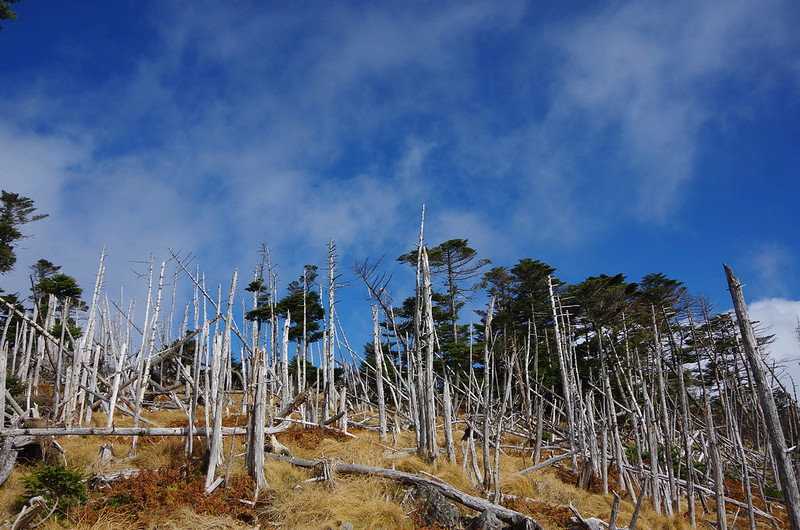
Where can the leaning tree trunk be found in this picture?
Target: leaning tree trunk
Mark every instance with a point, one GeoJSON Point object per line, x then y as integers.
{"type": "Point", "coordinates": [565, 377]}
{"type": "Point", "coordinates": [788, 480]}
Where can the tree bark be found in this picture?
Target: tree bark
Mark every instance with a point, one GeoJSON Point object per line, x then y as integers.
{"type": "Point", "coordinates": [788, 480]}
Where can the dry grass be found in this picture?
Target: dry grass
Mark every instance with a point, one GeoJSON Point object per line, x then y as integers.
{"type": "Point", "coordinates": [293, 500]}
{"type": "Point", "coordinates": [174, 520]}
{"type": "Point", "coordinates": [366, 502]}
{"type": "Point", "coordinates": [9, 493]}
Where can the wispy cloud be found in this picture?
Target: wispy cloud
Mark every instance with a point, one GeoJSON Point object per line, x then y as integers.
{"type": "Point", "coordinates": [289, 125]}
{"type": "Point", "coordinates": [644, 79]}
{"type": "Point", "coordinates": [772, 265]}
{"type": "Point", "coordinates": [779, 317]}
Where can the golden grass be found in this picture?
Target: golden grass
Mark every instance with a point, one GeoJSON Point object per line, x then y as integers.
{"type": "Point", "coordinates": [178, 520]}
{"type": "Point", "coordinates": [366, 502]}
{"type": "Point", "coordinates": [9, 493]}
{"type": "Point", "coordinates": [292, 501]}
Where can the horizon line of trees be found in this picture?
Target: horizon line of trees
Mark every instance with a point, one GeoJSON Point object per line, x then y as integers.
{"type": "Point", "coordinates": [599, 309]}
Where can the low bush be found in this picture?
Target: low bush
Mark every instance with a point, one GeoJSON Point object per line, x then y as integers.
{"type": "Point", "coordinates": [59, 486]}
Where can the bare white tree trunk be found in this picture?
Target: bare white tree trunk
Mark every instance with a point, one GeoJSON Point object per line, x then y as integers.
{"type": "Point", "coordinates": [255, 449]}
{"type": "Point", "coordinates": [219, 353]}
{"type": "Point", "coordinates": [120, 362]}
{"type": "Point", "coordinates": [788, 479]}
{"type": "Point", "coordinates": [3, 366]}
{"type": "Point", "coordinates": [88, 335]}
{"type": "Point", "coordinates": [330, 390]}
{"type": "Point", "coordinates": [376, 342]}
{"type": "Point", "coordinates": [566, 379]}
{"type": "Point", "coordinates": [146, 357]}
{"type": "Point", "coordinates": [286, 391]}
{"type": "Point", "coordinates": [430, 343]}
{"type": "Point", "coordinates": [487, 395]}
{"type": "Point", "coordinates": [447, 412]}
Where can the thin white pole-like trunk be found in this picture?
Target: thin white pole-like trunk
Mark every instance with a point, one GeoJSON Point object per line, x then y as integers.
{"type": "Point", "coordinates": [286, 391]}
{"type": "Point", "coordinates": [3, 365]}
{"type": "Point", "coordinates": [343, 409]}
{"type": "Point", "coordinates": [447, 412]}
{"type": "Point", "coordinates": [376, 344]}
{"type": "Point", "coordinates": [40, 341]}
{"type": "Point", "coordinates": [565, 376]}
{"type": "Point", "coordinates": [88, 336]}
{"type": "Point", "coordinates": [487, 395]}
{"type": "Point", "coordinates": [22, 371]}
{"type": "Point", "coordinates": [303, 352]}
{"type": "Point", "coordinates": [146, 357]}
{"type": "Point", "coordinates": [195, 391]}
{"type": "Point", "coordinates": [660, 366]}
{"type": "Point", "coordinates": [218, 356]}
{"type": "Point", "coordinates": [120, 362]}
{"type": "Point", "coordinates": [259, 413]}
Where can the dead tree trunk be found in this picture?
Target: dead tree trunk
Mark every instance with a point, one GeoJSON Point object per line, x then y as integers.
{"type": "Point", "coordinates": [215, 449]}
{"type": "Point", "coordinates": [426, 340]}
{"type": "Point", "coordinates": [487, 395]}
{"type": "Point", "coordinates": [376, 343]}
{"type": "Point", "coordinates": [788, 480]}
{"type": "Point", "coordinates": [330, 390]}
{"type": "Point", "coordinates": [565, 377]}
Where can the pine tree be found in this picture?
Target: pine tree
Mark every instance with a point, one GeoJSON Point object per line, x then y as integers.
{"type": "Point", "coordinates": [15, 211]}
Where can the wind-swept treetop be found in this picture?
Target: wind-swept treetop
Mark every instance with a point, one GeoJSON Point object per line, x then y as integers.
{"type": "Point", "coordinates": [5, 11]}
{"type": "Point", "coordinates": [661, 292]}
{"type": "Point", "coordinates": [15, 211]}
{"type": "Point", "coordinates": [521, 292]}
{"type": "Point", "coordinates": [456, 262]}
{"type": "Point", "coordinates": [302, 304]}
{"type": "Point", "coordinates": [602, 299]}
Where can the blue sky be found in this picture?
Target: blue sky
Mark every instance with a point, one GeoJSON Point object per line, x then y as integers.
{"type": "Point", "coordinates": [630, 137]}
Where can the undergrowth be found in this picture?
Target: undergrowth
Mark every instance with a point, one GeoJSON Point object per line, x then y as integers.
{"type": "Point", "coordinates": [170, 492]}
{"type": "Point", "coordinates": [59, 486]}
{"type": "Point", "coordinates": [153, 494]}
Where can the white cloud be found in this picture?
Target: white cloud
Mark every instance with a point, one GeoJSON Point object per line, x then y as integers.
{"type": "Point", "coordinates": [772, 264]}
{"type": "Point", "coordinates": [779, 316]}
{"type": "Point", "coordinates": [645, 78]}
{"type": "Point", "coordinates": [290, 126]}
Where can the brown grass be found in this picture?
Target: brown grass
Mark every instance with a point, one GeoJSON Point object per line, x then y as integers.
{"type": "Point", "coordinates": [170, 494]}
{"type": "Point", "coordinates": [366, 502]}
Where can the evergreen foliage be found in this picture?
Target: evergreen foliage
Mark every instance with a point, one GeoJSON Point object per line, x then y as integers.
{"type": "Point", "coordinates": [60, 486]}
{"type": "Point", "coordinates": [15, 211]}
{"type": "Point", "coordinates": [5, 11]}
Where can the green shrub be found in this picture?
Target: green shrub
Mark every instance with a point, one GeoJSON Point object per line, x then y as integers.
{"type": "Point", "coordinates": [773, 492]}
{"type": "Point", "coordinates": [60, 486]}
{"type": "Point", "coordinates": [15, 386]}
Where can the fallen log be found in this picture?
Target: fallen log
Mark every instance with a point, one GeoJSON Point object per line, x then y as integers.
{"type": "Point", "coordinates": [470, 501]}
{"type": "Point", "coordinates": [30, 512]}
{"type": "Point", "coordinates": [289, 407]}
{"type": "Point", "coordinates": [334, 430]}
{"type": "Point", "coordinates": [8, 457]}
{"type": "Point", "coordinates": [134, 431]}
{"type": "Point", "coordinates": [592, 523]}
{"type": "Point", "coordinates": [547, 462]}
{"type": "Point", "coordinates": [114, 476]}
